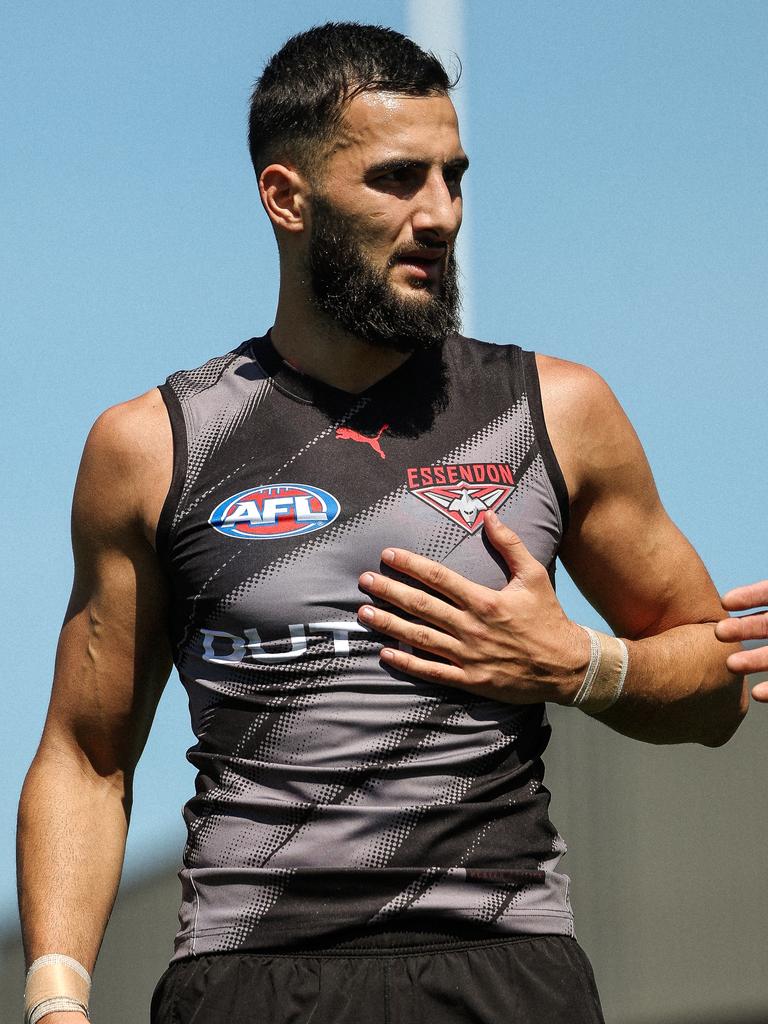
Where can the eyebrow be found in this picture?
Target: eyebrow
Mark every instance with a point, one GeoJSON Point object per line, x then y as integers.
{"type": "Point", "coordinates": [404, 163]}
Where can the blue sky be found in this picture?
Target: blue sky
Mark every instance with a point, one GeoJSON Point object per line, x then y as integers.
{"type": "Point", "coordinates": [617, 214]}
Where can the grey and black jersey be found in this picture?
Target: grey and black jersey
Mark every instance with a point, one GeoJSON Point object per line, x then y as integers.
{"type": "Point", "coordinates": [336, 798]}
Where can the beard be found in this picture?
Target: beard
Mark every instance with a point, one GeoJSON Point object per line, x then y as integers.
{"type": "Point", "coordinates": [359, 297]}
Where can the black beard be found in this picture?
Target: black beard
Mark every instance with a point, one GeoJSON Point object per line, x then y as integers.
{"type": "Point", "coordinates": [359, 297]}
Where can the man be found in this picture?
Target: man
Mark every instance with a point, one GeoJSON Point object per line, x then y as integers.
{"type": "Point", "coordinates": [369, 837]}
{"type": "Point", "coordinates": [747, 627]}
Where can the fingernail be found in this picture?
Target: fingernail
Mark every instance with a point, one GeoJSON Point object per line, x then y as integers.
{"type": "Point", "coordinates": [388, 555]}
{"type": "Point", "coordinates": [366, 612]}
{"type": "Point", "coordinates": [367, 579]}
{"type": "Point", "coordinates": [386, 654]}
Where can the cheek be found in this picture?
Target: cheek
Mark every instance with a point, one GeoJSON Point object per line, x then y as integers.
{"type": "Point", "coordinates": [374, 217]}
{"type": "Point", "coordinates": [378, 224]}
{"type": "Point", "coordinates": [379, 237]}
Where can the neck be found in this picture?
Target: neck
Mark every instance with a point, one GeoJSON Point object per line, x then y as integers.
{"type": "Point", "coordinates": [318, 347]}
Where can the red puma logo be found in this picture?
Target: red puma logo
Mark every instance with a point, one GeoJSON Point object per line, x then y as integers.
{"type": "Point", "coordinates": [347, 434]}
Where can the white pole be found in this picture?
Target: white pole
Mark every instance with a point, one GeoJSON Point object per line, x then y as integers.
{"type": "Point", "coordinates": [438, 25]}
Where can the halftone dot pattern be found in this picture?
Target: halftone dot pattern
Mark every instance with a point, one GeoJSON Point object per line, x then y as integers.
{"type": "Point", "coordinates": [434, 890]}
{"type": "Point", "coordinates": [200, 446]}
{"type": "Point", "coordinates": [268, 728]}
{"type": "Point", "coordinates": [325, 761]}
{"type": "Point", "coordinates": [203, 446]}
{"type": "Point", "coordinates": [409, 895]}
{"type": "Point", "coordinates": [379, 759]}
{"type": "Point", "coordinates": [497, 441]}
{"type": "Point", "coordinates": [505, 438]}
{"type": "Point", "coordinates": [243, 412]}
{"type": "Point", "coordinates": [494, 904]}
{"type": "Point", "coordinates": [229, 844]}
{"type": "Point", "coordinates": [338, 535]}
{"type": "Point", "coordinates": [260, 901]}
{"type": "Point", "coordinates": [450, 792]}
{"type": "Point", "coordinates": [188, 384]}
{"type": "Point", "coordinates": [204, 441]}
{"type": "Point", "coordinates": [383, 756]}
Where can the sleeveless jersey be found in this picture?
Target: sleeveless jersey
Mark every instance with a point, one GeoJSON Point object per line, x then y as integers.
{"type": "Point", "coordinates": [337, 799]}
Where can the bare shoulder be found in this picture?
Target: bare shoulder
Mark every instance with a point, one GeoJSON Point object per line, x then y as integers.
{"type": "Point", "coordinates": [134, 432]}
{"type": "Point", "coordinates": [572, 389]}
{"type": "Point", "coordinates": [590, 432]}
{"type": "Point", "coordinates": [126, 467]}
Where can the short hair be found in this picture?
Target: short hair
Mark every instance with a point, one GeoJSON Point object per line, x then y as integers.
{"type": "Point", "coordinates": [299, 100]}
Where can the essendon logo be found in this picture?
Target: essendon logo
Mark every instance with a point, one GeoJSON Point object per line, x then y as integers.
{"type": "Point", "coordinates": [462, 493]}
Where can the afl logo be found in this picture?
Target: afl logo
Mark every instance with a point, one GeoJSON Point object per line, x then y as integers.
{"type": "Point", "coordinates": [275, 510]}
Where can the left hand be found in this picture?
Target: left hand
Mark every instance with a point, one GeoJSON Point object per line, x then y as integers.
{"type": "Point", "coordinates": [514, 644]}
{"type": "Point", "coordinates": [747, 627]}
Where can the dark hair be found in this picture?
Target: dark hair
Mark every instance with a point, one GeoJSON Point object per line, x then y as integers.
{"type": "Point", "coordinates": [298, 102]}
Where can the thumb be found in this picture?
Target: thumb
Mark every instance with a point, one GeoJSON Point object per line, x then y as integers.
{"type": "Point", "coordinates": [517, 556]}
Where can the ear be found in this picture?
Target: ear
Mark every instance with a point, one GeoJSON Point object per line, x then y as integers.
{"type": "Point", "coordinates": [284, 193]}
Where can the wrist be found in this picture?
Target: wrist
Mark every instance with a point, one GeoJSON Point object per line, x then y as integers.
{"type": "Point", "coordinates": [576, 660]}
{"type": "Point", "coordinates": [603, 681]}
{"type": "Point", "coordinates": [56, 985]}
{"type": "Point", "coordinates": [64, 1017]}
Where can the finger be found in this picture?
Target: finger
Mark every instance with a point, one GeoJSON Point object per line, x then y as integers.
{"type": "Point", "coordinates": [415, 634]}
{"type": "Point", "coordinates": [741, 598]}
{"type": "Point", "coordinates": [437, 577]}
{"type": "Point", "coordinates": [430, 671]}
{"type": "Point", "coordinates": [745, 627]}
{"type": "Point", "coordinates": [760, 692]}
{"type": "Point", "coordinates": [743, 663]}
{"type": "Point", "coordinates": [514, 552]}
{"type": "Point", "coordinates": [416, 602]}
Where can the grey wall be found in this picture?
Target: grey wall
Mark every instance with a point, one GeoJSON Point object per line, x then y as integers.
{"type": "Point", "coordinates": [667, 860]}
{"type": "Point", "coordinates": [669, 884]}
{"type": "Point", "coordinates": [136, 950]}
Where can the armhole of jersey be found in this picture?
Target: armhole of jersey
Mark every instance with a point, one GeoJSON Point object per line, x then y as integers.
{"type": "Point", "coordinates": [179, 431]}
{"type": "Point", "coordinates": [552, 466]}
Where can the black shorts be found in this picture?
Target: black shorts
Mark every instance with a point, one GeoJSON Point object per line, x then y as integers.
{"type": "Point", "coordinates": [544, 979]}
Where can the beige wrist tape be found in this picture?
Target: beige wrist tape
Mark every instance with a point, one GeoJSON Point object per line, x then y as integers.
{"type": "Point", "coordinates": [55, 982]}
{"type": "Point", "coordinates": [607, 670]}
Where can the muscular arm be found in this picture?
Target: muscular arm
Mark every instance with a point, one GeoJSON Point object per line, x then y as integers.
{"type": "Point", "coordinates": [625, 555]}
{"type": "Point", "coordinates": [111, 665]}
{"type": "Point", "coordinates": [637, 569]}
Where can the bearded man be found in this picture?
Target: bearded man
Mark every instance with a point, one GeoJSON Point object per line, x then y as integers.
{"type": "Point", "coordinates": [369, 837]}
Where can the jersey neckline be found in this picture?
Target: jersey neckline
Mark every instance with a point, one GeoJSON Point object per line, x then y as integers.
{"type": "Point", "coordinates": [310, 391]}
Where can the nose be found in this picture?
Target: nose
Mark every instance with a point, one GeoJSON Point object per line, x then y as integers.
{"type": "Point", "coordinates": [438, 208]}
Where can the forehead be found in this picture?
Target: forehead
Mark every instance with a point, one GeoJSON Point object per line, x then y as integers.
{"type": "Point", "coordinates": [380, 125]}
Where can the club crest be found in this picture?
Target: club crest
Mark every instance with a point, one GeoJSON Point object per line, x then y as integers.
{"type": "Point", "coordinates": [462, 493]}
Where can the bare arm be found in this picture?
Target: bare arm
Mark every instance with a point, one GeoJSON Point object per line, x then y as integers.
{"type": "Point", "coordinates": [636, 568]}
{"type": "Point", "coordinates": [626, 556]}
{"type": "Point", "coordinates": [111, 665]}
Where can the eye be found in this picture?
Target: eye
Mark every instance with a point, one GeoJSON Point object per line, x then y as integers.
{"type": "Point", "coordinates": [398, 176]}
{"type": "Point", "coordinates": [453, 175]}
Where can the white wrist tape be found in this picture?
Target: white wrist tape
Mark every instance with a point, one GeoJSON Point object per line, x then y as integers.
{"type": "Point", "coordinates": [55, 982]}
{"type": "Point", "coordinates": [606, 672]}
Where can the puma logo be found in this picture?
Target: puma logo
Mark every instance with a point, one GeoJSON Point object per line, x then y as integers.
{"type": "Point", "coordinates": [347, 434]}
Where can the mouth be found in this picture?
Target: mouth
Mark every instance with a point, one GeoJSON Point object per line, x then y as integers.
{"type": "Point", "coordinates": [422, 264]}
